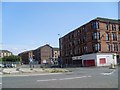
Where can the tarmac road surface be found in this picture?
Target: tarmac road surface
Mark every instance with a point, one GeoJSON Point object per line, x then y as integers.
{"type": "Point", "coordinates": [78, 78]}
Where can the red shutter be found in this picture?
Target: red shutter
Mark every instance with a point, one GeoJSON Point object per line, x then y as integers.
{"type": "Point", "coordinates": [102, 60]}
{"type": "Point", "coordinates": [89, 62]}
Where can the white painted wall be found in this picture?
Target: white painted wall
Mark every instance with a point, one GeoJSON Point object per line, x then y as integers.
{"type": "Point", "coordinates": [97, 56]}
{"type": "Point", "coordinates": [89, 57]}
{"type": "Point", "coordinates": [108, 57]}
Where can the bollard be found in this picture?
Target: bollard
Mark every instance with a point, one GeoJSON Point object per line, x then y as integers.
{"type": "Point", "coordinates": [112, 66]}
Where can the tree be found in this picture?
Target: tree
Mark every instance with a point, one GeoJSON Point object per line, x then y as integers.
{"type": "Point", "coordinates": [0, 59]}
{"type": "Point", "coordinates": [11, 58]}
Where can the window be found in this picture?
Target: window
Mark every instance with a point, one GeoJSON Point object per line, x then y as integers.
{"type": "Point", "coordinates": [106, 26]}
{"type": "Point", "coordinates": [115, 47]}
{"type": "Point", "coordinates": [108, 47]}
{"type": "Point", "coordinates": [86, 30]}
{"type": "Point", "coordinates": [1, 54]}
{"type": "Point", "coordinates": [83, 28]}
{"type": "Point", "coordinates": [9, 54]}
{"type": "Point", "coordinates": [113, 27]}
{"type": "Point", "coordinates": [75, 34]}
{"type": "Point", "coordinates": [5, 54]}
{"type": "Point", "coordinates": [75, 51]}
{"type": "Point", "coordinates": [114, 36]}
{"type": "Point", "coordinates": [71, 52]}
{"type": "Point", "coordinates": [85, 49]}
{"type": "Point", "coordinates": [97, 47]}
{"type": "Point", "coordinates": [102, 60]}
{"type": "Point", "coordinates": [107, 36]}
{"type": "Point", "coordinates": [96, 35]}
{"type": "Point", "coordinates": [95, 25]}
{"type": "Point", "coordinates": [84, 39]}
{"type": "Point", "coordinates": [92, 25]}
{"type": "Point", "coordinates": [119, 36]}
{"type": "Point", "coordinates": [119, 28]}
{"type": "Point", "coordinates": [80, 30]}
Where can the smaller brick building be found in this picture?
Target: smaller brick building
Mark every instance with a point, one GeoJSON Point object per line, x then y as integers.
{"type": "Point", "coordinates": [43, 54]}
{"type": "Point", "coordinates": [25, 56]}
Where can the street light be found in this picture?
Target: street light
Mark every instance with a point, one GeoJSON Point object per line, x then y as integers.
{"type": "Point", "coordinates": [59, 58]}
{"type": "Point", "coordinates": [59, 36]}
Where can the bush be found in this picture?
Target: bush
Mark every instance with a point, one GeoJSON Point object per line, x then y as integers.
{"type": "Point", "coordinates": [11, 58]}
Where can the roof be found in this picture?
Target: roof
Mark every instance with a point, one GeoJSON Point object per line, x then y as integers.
{"type": "Point", "coordinates": [107, 20]}
{"type": "Point", "coordinates": [26, 51]}
{"type": "Point", "coordinates": [5, 51]}
{"type": "Point", "coordinates": [44, 46]}
{"type": "Point", "coordinates": [35, 49]}
{"type": "Point", "coordinates": [56, 49]}
{"type": "Point", "coordinates": [99, 19]}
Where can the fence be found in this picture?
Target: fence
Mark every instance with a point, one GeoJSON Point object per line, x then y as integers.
{"type": "Point", "coordinates": [10, 62]}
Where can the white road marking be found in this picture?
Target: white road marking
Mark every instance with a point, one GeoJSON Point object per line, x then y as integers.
{"type": "Point", "coordinates": [108, 73]}
{"type": "Point", "coordinates": [72, 78]}
{"type": "Point", "coordinates": [47, 80]}
{"type": "Point", "coordinates": [63, 78]}
{"type": "Point", "coordinates": [0, 83]}
{"type": "Point", "coordinates": [89, 76]}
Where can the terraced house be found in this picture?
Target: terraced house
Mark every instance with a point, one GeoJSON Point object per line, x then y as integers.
{"type": "Point", "coordinates": [96, 43]}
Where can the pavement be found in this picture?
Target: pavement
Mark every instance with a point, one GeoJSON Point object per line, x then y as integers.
{"type": "Point", "coordinates": [28, 71]}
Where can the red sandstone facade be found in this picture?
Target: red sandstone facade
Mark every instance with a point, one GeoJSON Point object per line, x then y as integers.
{"type": "Point", "coordinates": [100, 35]}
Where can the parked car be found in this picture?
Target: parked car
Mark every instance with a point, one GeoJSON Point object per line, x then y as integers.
{"type": "Point", "coordinates": [1, 65]}
{"type": "Point", "coordinates": [13, 65]}
{"type": "Point", "coordinates": [9, 65]}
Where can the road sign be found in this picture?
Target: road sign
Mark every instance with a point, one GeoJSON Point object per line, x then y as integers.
{"type": "Point", "coordinates": [44, 61]}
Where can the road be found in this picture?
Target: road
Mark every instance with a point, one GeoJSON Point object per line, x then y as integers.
{"type": "Point", "coordinates": [78, 78]}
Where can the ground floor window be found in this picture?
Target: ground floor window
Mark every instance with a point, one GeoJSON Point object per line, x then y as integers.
{"type": "Point", "coordinates": [102, 60]}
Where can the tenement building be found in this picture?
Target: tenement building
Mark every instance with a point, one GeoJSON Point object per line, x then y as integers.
{"type": "Point", "coordinates": [5, 53]}
{"type": "Point", "coordinates": [26, 55]}
{"type": "Point", "coordinates": [96, 43]}
{"type": "Point", "coordinates": [44, 54]}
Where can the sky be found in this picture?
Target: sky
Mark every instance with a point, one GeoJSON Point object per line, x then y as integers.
{"type": "Point", "coordinates": [29, 25]}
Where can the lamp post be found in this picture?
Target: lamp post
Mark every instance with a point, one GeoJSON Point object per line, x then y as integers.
{"type": "Point", "coordinates": [59, 58]}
